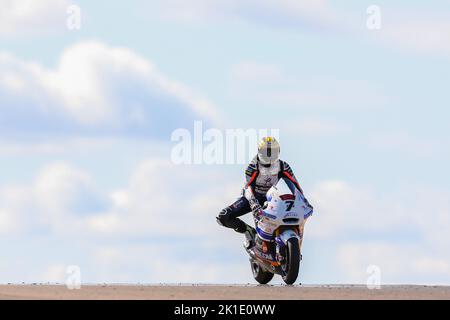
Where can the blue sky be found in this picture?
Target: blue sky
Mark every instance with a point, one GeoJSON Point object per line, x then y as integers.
{"type": "Point", "coordinates": [86, 117]}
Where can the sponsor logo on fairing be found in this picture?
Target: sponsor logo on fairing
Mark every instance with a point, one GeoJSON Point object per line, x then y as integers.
{"type": "Point", "coordinates": [268, 215]}
{"type": "Point", "coordinates": [264, 235]}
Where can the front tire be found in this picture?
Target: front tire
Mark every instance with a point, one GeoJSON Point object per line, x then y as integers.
{"type": "Point", "coordinates": [292, 264]}
{"type": "Point", "coordinates": [261, 276]}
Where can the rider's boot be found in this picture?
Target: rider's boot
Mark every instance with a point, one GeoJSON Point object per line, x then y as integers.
{"type": "Point", "coordinates": [250, 234]}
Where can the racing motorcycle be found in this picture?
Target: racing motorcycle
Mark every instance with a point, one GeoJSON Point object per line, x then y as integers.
{"type": "Point", "coordinates": [276, 246]}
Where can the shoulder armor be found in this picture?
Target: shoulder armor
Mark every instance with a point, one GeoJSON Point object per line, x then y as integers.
{"type": "Point", "coordinates": [252, 167]}
{"type": "Point", "coordinates": [285, 167]}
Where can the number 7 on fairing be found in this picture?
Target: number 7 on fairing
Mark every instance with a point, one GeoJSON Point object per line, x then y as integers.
{"type": "Point", "coordinates": [289, 205]}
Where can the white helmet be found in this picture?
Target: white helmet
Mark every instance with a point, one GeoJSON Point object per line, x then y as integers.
{"type": "Point", "coordinates": [268, 150]}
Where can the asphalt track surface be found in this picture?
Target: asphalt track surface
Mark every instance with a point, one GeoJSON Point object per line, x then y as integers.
{"type": "Point", "coordinates": [221, 292]}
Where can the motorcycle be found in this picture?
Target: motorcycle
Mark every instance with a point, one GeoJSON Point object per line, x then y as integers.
{"type": "Point", "coordinates": [279, 228]}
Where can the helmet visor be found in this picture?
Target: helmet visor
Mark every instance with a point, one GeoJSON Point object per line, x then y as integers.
{"type": "Point", "coordinates": [269, 154]}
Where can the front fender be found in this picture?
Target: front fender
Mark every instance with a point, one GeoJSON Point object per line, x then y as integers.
{"type": "Point", "coordinates": [286, 235]}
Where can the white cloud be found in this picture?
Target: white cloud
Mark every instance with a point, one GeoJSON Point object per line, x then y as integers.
{"type": "Point", "coordinates": [68, 201]}
{"type": "Point", "coordinates": [6, 221]}
{"type": "Point", "coordinates": [407, 143]}
{"type": "Point", "coordinates": [152, 201]}
{"type": "Point", "coordinates": [18, 17]}
{"type": "Point", "coordinates": [398, 263]}
{"type": "Point", "coordinates": [299, 13]}
{"type": "Point", "coordinates": [424, 32]}
{"type": "Point", "coordinates": [400, 230]}
{"type": "Point", "coordinates": [96, 88]}
{"type": "Point", "coordinates": [350, 210]}
{"type": "Point", "coordinates": [315, 127]}
{"type": "Point", "coordinates": [58, 200]}
{"type": "Point", "coordinates": [55, 273]}
{"type": "Point", "coordinates": [270, 86]}
{"type": "Point", "coordinates": [342, 209]}
{"type": "Point", "coordinates": [15, 202]}
{"type": "Point", "coordinates": [170, 263]}
{"type": "Point", "coordinates": [60, 186]}
{"type": "Point", "coordinates": [255, 72]}
{"type": "Point", "coordinates": [57, 146]}
{"type": "Point", "coordinates": [431, 265]}
{"type": "Point", "coordinates": [354, 259]}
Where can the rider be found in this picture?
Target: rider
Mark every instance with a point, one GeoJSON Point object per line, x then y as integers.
{"type": "Point", "coordinates": [262, 173]}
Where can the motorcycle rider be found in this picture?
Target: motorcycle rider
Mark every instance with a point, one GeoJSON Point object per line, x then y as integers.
{"type": "Point", "coordinates": [262, 173]}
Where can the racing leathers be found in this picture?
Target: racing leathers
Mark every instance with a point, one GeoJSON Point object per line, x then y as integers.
{"type": "Point", "coordinates": [259, 179]}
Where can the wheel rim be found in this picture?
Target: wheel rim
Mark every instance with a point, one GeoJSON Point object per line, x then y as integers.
{"type": "Point", "coordinates": [255, 269]}
{"type": "Point", "coordinates": [285, 265]}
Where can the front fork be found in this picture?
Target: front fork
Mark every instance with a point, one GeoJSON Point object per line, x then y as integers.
{"type": "Point", "coordinates": [282, 236]}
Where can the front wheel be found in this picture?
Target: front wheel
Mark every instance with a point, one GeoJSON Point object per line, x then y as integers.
{"type": "Point", "coordinates": [261, 276]}
{"type": "Point", "coordinates": [292, 262]}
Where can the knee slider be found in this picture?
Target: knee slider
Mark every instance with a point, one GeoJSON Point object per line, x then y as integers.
{"type": "Point", "coordinates": [223, 217]}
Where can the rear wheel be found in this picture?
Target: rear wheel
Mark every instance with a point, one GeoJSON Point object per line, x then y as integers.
{"type": "Point", "coordinates": [261, 276]}
{"type": "Point", "coordinates": [292, 262]}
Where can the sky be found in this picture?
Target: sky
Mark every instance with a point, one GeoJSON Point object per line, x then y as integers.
{"type": "Point", "coordinates": [87, 114]}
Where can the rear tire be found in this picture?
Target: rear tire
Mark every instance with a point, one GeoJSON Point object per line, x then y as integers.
{"type": "Point", "coordinates": [292, 261]}
{"type": "Point", "coordinates": [261, 276]}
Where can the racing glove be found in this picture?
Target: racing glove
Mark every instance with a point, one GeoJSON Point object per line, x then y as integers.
{"type": "Point", "coordinates": [255, 207]}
